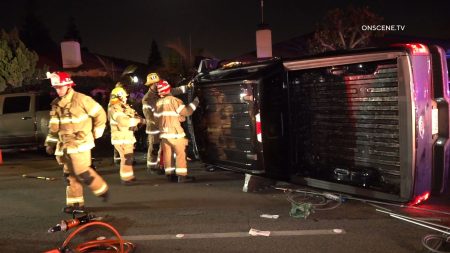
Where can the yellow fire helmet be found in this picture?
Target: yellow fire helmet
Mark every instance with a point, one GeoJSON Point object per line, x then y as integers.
{"type": "Point", "coordinates": [152, 78]}
{"type": "Point", "coordinates": [118, 93]}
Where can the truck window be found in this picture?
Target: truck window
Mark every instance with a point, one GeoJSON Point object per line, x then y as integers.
{"type": "Point", "coordinates": [16, 104]}
{"type": "Point", "coordinates": [242, 73]}
{"type": "Point", "coordinates": [43, 102]}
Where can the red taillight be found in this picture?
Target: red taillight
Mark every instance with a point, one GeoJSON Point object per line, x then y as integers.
{"type": "Point", "coordinates": [258, 127]}
{"type": "Point", "coordinates": [420, 199]}
{"type": "Point", "coordinates": [418, 49]}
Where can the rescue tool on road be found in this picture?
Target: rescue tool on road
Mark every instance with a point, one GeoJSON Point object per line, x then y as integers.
{"type": "Point", "coordinates": [101, 244]}
{"type": "Point", "coordinates": [39, 177]}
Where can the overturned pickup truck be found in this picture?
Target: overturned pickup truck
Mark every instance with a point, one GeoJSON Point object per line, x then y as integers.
{"type": "Point", "coordinates": [373, 122]}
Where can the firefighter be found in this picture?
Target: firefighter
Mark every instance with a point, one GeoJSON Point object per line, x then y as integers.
{"type": "Point", "coordinates": [170, 112]}
{"type": "Point", "coordinates": [123, 121]}
{"type": "Point", "coordinates": [148, 108]}
{"type": "Point", "coordinates": [75, 121]}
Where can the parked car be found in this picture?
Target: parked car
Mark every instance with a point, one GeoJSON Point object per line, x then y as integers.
{"type": "Point", "coordinates": [371, 122]}
{"type": "Point", "coordinates": [24, 120]}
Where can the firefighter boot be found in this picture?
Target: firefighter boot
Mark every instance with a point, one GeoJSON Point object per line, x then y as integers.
{"type": "Point", "coordinates": [129, 182]}
{"type": "Point", "coordinates": [172, 178]}
{"type": "Point", "coordinates": [104, 196]}
{"type": "Point", "coordinates": [155, 170]}
{"type": "Point", "coordinates": [73, 208]}
{"type": "Point", "coordinates": [185, 179]}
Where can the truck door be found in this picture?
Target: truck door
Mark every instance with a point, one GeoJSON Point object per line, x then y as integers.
{"type": "Point", "coordinates": [17, 121]}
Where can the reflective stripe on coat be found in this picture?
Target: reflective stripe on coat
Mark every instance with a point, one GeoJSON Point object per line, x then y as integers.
{"type": "Point", "coordinates": [149, 106]}
{"type": "Point", "coordinates": [74, 120]}
{"type": "Point", "coordinates": [122, 119]}
{"type": "Point", "coordinates": [170, 111]}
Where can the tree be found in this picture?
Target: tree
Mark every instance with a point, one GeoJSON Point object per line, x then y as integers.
{"type": "Point", "coordinates": [342, 29]}
{"type": "Point", "coordinates": [33, 32]}
{"type": "Point", "coordinates": [17, 63]}
{"type": "Point", "coordinates": [180, 60]}
{"type": "Point", "coordinates": [72, 32]}
{"type": "Point", "coordinates": [155, 60]}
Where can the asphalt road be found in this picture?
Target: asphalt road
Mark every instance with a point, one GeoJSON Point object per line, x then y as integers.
{"type": "Point", "coordinates": [211, 215]}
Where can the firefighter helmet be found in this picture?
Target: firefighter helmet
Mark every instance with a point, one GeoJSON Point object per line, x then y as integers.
{"type": "Point", "coordinates": [152, 78]}
{"type": "Point", "coordinates": [59, 79]}
{"type": "Point", "coordinates": [163, 87]}
{"type": "Point", "coordinates": [118, 93]}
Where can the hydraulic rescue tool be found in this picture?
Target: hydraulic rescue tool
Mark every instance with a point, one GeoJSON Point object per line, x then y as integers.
{"type": "Point", "coordinates": [65, 225]}
{"type": "Point", "coordinates": [116, 244]}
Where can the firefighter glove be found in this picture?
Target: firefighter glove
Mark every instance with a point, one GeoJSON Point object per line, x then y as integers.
{"type": "Point", "coordinates": [195, 101]}
{"type": "Point", "coordinates": [50, 150]}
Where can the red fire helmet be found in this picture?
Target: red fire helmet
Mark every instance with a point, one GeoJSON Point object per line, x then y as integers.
{"type": "Point", "coordinates": [163, 87]}
{"type": "Point", "coordinates": [60, 79]}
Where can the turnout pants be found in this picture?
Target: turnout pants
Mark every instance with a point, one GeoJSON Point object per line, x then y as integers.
{"type": "Point", "coordinates": [77, 170]}
{"type": "Point", "coordinates": [169, 146]}
{"type": "Point", "coordinates": [126, 161]}
{"type": "Point", "coordinates": [153, 151]}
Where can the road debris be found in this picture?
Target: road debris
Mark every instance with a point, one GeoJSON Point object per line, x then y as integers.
{"type": "Point", "coordinates": [338, 231]}
{"type": "Point", "coordinates": [433, 242]}
{"type": "Point", "coordinates": [270, 216]}
{"type": "Point", "coordinates": [256, 232]}
{"type": "Point", "coordinates": [301, 210]}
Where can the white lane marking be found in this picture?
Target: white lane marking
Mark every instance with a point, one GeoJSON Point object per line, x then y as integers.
{"type": "Point", "coordinates": [232, 235]}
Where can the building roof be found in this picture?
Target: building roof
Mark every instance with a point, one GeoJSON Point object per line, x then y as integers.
{"type": "Point", "coordinates": [93, 64]}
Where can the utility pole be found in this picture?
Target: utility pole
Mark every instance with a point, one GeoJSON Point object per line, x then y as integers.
{"type": "Point", "coordinates": [190, 50]}
{"type": "Point", "coordinates": [262, 11]}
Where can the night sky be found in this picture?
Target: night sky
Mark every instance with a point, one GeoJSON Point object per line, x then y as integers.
{"type": "Point", "coordinates": [224, 28]}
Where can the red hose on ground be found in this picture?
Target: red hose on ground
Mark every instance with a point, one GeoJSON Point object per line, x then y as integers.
{"type": "Point", "coordinates": [111, 245]}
